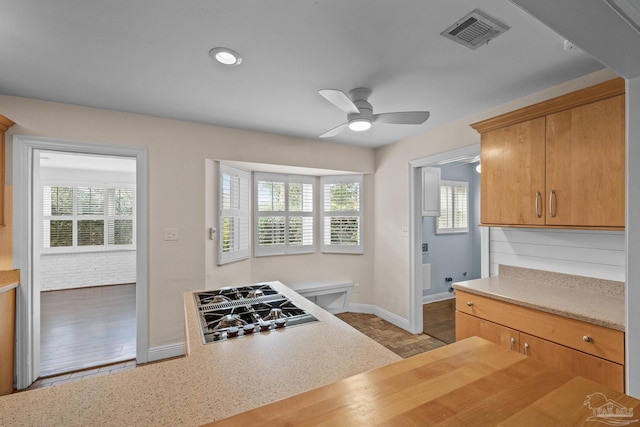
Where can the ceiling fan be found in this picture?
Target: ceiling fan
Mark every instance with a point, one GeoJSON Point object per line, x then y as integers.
{"type": "Point", "coordinates": [360, 113]}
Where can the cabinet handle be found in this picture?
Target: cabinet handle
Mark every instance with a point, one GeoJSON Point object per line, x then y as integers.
{"type": "Point", "coordinates": [552, 197]}
{"type": "Point", "coordinates": [526, 349]}
{"type": "Point", "coordinates": [587, 338]}
{"type": "Point", "coordinates": [538, 201]}
{"type": "Point", "coordinates": [469, 303]}
{"type": "Point", "coordinates": [513, 341]}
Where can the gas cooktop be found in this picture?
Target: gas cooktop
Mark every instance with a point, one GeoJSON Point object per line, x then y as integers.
{"type": "Point", "coordinates": [233, 312]}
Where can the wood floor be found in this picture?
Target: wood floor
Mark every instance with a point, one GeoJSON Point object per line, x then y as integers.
{"type": "Point", "coordinates": [85, 328]}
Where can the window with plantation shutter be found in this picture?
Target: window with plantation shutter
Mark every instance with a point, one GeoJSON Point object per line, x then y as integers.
{"type": "Point", "coordinates": [233, 214]}
{"type": "Point", "coordinates": [454, 207]}
{"type": "Point", "coordinates": [284, 214]}
{"type": "Point", "coordinates": [341, 223]}
{"type": "Point", "coordinates": [79, 218]}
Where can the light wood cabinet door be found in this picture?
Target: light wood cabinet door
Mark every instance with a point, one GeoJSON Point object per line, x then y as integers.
{"type": "Point", "coordinates": [471, 326]}
{"type": "Point", "coordinates": [585, 158]}
{"type": "Point", "coordinates": [566, 359]}
{"type": "Point", "coordinates": [512, 181]}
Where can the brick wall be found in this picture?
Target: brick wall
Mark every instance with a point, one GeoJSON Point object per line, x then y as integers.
{"type": "Point", "coordinates": [78, 270]}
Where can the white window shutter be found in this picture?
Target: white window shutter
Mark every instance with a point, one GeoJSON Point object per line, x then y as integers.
{"type": "Point", "coordinates": [234, 210]}
{"type": "Point", "coordinates": [341, 223]}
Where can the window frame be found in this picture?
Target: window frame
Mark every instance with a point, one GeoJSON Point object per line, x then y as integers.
{"type": "Point", "coordinates": [324, 214]}
{"type": "Point", "coordinates": [286, 248]}
{"type": "Point", "coordinates": [239, 252]}
{"type": "Point", "coordinates": [449, 211]}
{"type": "Point", "coordinates": [75, 218]}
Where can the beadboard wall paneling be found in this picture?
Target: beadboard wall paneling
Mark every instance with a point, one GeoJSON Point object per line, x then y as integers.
{"type": "Point", "coordinates": [599, 254]}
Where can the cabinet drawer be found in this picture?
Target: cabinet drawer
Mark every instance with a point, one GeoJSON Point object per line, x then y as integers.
{"type": "Point", "coordinates": [566, 359]}
{"type": "Point", "coordinates": [592, 339]}
{"type": "Point", "coordinates": [469, 326]}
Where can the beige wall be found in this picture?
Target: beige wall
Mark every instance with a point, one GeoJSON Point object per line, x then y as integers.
{"type": "Point", "coordinates": [391, 252]}
{"type": "Point", "coordinates": [177, 152]}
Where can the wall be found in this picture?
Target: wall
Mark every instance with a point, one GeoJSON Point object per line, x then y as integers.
{"type": "Point", "coordinates": [79, 270]}
{"type": "Point", "coordinates": [391, 260]}
{"type": "Point", "coordinates": [633, 236]}
{"type": "Point", "coordinates": [599, 254]}
{"type": "Point", "coordinates": [454, 255]}
{"type": "Point", "coordinates": [177, 153]}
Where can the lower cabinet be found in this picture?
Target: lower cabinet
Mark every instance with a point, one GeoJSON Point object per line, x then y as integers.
{"type": "Point", "coordinates": [602, 366]}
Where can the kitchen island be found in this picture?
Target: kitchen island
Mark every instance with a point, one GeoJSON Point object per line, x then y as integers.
{"type": "Point", "coordinates": [470, 383]}
{"type": "Point", "coordinates": [212, 381]}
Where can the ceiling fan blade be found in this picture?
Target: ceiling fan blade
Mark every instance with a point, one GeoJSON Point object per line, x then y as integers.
{"type": "Point", "coordinates": [336, 130]}
{"type": "Point", "coordinates": [340, 100]}
{"type": "Point", "coordinates": [402, 118]}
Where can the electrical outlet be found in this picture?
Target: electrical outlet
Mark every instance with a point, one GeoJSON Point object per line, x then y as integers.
{"type": "Point", "coordinates": [356, 287]}
{"type": "Point", "coordinates": [425, 247]}
{"type": "Point", "coordinates": [170, 234]}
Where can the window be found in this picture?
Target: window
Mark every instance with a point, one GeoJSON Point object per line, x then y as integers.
{"type": "Point", "coordinates": [79, 218]}
{"type": "Point", "coordinates": [284, 214]}
{"type": "Point", "coordinates": [454, 207]}
{"type": "Point", "coordinates": [234, 212]}
{"type": "Point", "coordinates": [342, 214]}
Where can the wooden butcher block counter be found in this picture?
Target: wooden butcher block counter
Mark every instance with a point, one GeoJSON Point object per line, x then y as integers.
{"type": "Point", "coordinates": [470, 383]}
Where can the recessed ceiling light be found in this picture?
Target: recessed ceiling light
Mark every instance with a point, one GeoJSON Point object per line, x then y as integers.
{"type": "Point", "coordinates": [225, 56]}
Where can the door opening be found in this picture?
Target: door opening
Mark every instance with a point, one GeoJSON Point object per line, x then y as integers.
{"type": "Point", "coordinates": [450, 242]}
{"type": "Point", "coordinates": [84, 240]}
{"type": "Point", "coordinates": [47, 235]}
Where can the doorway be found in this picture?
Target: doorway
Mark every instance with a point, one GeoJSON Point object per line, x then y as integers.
{"type": "Point", "coordinates": [84, 240]}
{"type": "Point", "coordinates": [32, 224]}
{"type": "Point", "coordinates": [424, 286]}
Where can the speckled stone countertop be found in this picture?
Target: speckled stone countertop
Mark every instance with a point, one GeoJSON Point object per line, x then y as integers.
{"type": "Point", "coordinates": [214, 381]}
{"type": "Point", "coordinates": [600, 302]}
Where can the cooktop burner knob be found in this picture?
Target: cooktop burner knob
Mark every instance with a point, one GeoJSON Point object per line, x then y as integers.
{"type": "Point", "coordinates": [232, 332]}
{"type": "Point", "coordinates": [281, 323]}
{"type": "Point", "coordinates": [264, 326]}
{"type": "Point", "coordinates": [249, 329]}
{"type": "Point", "coordinates": [217, 336]}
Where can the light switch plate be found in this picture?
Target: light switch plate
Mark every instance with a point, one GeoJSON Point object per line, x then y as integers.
{"type": "Point", "coordinates": [170, 234]}
{"type": "Point", "coordinates": [405, 231]}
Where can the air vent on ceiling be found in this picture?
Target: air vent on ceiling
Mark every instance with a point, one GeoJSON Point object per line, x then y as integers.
{"type": "Point", "coordinates": [474, 30]}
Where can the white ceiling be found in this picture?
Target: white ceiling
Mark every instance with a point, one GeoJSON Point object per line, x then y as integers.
{"type": "Point", "coordinates": [151, 57]}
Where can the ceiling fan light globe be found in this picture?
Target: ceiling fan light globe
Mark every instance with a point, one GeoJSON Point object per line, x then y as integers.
{"type": "Point", "coordinates": [360, 125]}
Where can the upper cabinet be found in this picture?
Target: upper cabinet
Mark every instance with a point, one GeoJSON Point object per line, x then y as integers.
{"type": "Point", "coordinates": [5, 124]}
{"type": "Point", "coordinates": [560, 163]}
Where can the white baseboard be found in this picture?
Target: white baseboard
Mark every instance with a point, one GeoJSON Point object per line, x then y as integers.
{"type": "Point", "coordinates": [394, 319]}
{"type": "Point", "coordinates": [165, 352]}
{"type": "Point", "coordinates": [426, 299]}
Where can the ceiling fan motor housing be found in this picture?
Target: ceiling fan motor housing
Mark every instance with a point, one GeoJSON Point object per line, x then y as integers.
{"type": "Point", "coordinates": [359, 97]}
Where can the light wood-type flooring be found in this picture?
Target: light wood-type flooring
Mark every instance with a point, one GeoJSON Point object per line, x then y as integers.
{"type": "Point", "coordinates": [86, 328]}
{"type": "Point", "coordinates": [438, 318]}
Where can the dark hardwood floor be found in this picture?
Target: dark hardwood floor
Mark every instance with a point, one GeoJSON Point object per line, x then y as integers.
{"type": "Point", "coordinates": [439, 320]}
{"type": "Point", "coordinates": [87, 327]}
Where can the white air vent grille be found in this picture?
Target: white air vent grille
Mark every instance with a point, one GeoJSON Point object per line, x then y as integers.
{"type": "Point", "coordinates": [474, 30]}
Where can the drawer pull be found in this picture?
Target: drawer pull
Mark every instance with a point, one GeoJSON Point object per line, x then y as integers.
{"type": "Point", "coordinates": [587, 338]}
{"type": "Point", "coordinates": [526, 349]}
{"type": "Point", "coordinates": [469, 303]}
{"type": "Point", "coordinates": [513, 341]}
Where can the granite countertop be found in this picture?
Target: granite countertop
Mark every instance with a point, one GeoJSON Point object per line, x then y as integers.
{"type": "Point", "coordinates": [590, 300]}
{"type": "Point", "coordinates": [212, 382]}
